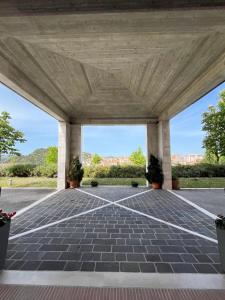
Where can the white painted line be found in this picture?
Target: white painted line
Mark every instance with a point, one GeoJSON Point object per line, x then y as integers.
{"type": "Point", "coordinates": [57, 222]}
{"type": "Point", "coordinates": [116, 204]}
{"type": "Point", "coordinates": [203, 188]}
{"type": "Point", "coordinates": [154, 218]}
{"type": "Point", "coordinates": [98, 197]}
{"type": "Point", "coordinates": [115, 279]}
{"type": "Point", "coordinates": [23, 210]}
{"type": "Point", "coordinates": [168, 223]}
{"type": "Point", "coordinates": [204, 211]}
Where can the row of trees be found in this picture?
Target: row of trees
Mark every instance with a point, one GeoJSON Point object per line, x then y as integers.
{"type": "Point", "coordinates": [137, 158]}
{"type": "Point", "coordinates": [213, 123]}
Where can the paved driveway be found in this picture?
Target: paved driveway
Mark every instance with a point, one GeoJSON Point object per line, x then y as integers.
{"type": "Point", "coordinates": [16, 199]}
{"type": "Point", "coordinates": [114, 229]}
{"type": "Point", "coordinates": [212, 200]}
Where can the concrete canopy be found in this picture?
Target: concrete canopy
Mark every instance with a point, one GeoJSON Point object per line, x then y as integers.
{"type": "Point", "coordinates": [106, 66]}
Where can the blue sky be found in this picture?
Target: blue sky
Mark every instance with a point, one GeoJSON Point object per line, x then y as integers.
{"type": "Point", "coordinates": [41, 129]}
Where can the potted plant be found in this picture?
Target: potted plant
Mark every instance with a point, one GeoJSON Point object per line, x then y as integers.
{"type": "Point", "coordinates": [154, 175]}
{"type": "Point", "coordinates": [220, 230]}
{"type": "Point", "coordinates": [76, 173]}
{"type": "Point", "coordinates": [175, 181]}
{"type": "Point", "coordinates": [94, 183]}
{"type": "Point", "coordinates": [134, 184]}
{"type": "Point", "coordinates": [5, 220]}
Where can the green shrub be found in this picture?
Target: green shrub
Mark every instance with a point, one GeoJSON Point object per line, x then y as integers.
{"type": "Point", "coordinates": [125, 171]}
{"type": "Point", "coordinates": [199, 170]}
{"type": "Point", "coordinates": [45, 171]}
{"type": "Point", "coordinates": [19, 170]}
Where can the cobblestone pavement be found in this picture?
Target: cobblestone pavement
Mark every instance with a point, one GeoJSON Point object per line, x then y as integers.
{"type": "Point", "coordinates": [115, 239]}
{"type": "Point", "coordinates": [62, 205]}
{"type": "Point", "coordinates": [163, 205]}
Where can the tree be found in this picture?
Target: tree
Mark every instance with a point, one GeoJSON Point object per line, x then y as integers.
{"type": "Point", "coordinates": [137, 157]}
{"type": "Point", "coordinates": [96, 159]}
{"type": "Point", "coordinates": [51, 156]}
{"type": "Point", "coordinates": [9, 136]}
{"type": "Point", "coordinates": [214, 125]}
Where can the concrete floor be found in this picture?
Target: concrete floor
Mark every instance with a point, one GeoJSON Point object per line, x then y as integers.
{"type": "Point", "coordinates": [89, 230]}
{"type": "Point", "coordinates": [212, 200]}
{"type": "Point", "coordinates": [18, 198]}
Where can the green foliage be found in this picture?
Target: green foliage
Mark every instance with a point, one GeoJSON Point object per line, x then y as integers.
{"type": "Point", "coordinates": [37, 157]}
{"type": "Point", "coordinates": [49, 171]}
{"type": "Point", "coordinates": [9, 136]}
{"type": "Point", "coordinates": [94, 183]}
{"type": "Point", "coordinates": [199, 170]}
{"type": "Point", "coordinates": [51, 156]}
{"type": "Point", "coordinates": [154, 174]}
{"type": "Point", "coordinates": [214, 125]}
{"type": "Point", "coordinates": [75, 172]}
{"type": "Point", "coordinates": [19, 170]}
{"type": "Point", "coordinates": [137, 157]}
{"type": "Point", "coordinates": [96, 159]}
{"type": "Point", "coordinates": [125, 171]}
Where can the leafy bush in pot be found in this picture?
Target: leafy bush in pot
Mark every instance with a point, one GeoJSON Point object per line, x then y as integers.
{"type": "Point", "coordinates": [154, 174]}
{"type": "Point", "coordinates": [76, 172]}
{"type": "Point", "coordinates": [94, 183]}
{"type": "Point", "coordinates": [134, 184]}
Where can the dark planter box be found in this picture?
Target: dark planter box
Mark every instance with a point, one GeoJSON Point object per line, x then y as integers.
{"type": "Point", "coordinates": [4, 237]}
{"type": "Point", "coordinates": [221, 245]}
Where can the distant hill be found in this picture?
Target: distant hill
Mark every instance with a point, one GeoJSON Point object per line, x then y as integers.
{"type": "Point", "coordinates": [37, 157]}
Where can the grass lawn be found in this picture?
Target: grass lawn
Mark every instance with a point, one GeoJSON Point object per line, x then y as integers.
{"type": "Point", "coordinates": [114, 181]}
{"type": "Point", "coordinates": [216, 182]}
{"type": "Point", "coordinates": [28, 182]}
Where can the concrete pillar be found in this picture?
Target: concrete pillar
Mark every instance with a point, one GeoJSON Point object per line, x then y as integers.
{"type": "Point", "coordinates": [75, 141]}
{"type": "Point", "coordinates": [69, 145]}
{"type": "Point", "coordinates": [63, 154]}
{"type": "Point", "coordinates": [152, 140]}
{"type": "Point", "coordinates": [164, 152]}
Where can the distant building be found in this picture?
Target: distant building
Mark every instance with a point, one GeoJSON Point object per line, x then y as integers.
{"type": "Point", "coordinates": [188, 159]}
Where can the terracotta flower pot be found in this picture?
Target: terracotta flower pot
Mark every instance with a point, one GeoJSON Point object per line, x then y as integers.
{"type": "Point", "coordinates": [175, 184]}
{"type": "Point", "coordinates": [4, 237]}
{"type": "Point", "coordinates": [156, 185]}
{"type": "Point", "coordinates": [74, 184]}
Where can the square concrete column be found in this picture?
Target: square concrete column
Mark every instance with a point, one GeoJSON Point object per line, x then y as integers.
{"type": "Point", "coordinates": [164, 152]}
{"type": "Point", "coordinates": [152, 139]}
{"type": "Point", "coordinates": [69, 146]}
{"type": "Point", "coordinates": [75, 141]}
{"type": "Point", "coordinates": [63, 154]}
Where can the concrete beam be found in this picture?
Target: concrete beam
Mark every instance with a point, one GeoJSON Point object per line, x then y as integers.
{"type": "Point", "coordinates": [114, 121]}
{"type": "Point", "coordinates": [18, 82]}
{"type": "Point", "coordinates": [26, 7]}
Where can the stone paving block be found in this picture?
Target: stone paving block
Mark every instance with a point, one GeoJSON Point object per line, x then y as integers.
{"type": "Point", "coordinates": [107, 267]}
{"type": "Point", "coordinates": [116, 237]}
{"type": "Point", "coordinates": [183, 268]}
{"type": "Point", "coordinates": [129, 267]}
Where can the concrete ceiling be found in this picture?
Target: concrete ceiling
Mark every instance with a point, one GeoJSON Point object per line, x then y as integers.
{"type": "Point", "coordinates": [122, 65]}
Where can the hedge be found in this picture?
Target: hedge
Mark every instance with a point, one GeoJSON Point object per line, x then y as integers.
{"type": "Point", "coordinates": [17, 170]}
{"type": "Point", "coordinates": [125, 171]}
{"type": "Point", "coordinates": [28, 170]}
{"type": "Point", "coordinates": [114, 172]}
{"type": "Point", "coordinates": [199, 170]}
